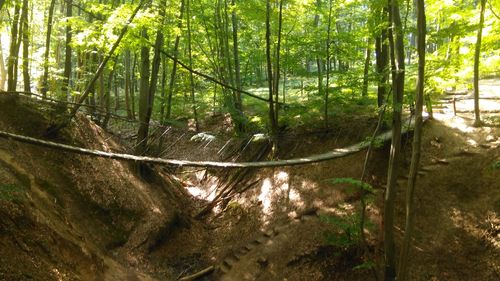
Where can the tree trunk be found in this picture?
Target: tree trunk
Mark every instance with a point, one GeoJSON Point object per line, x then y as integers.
{"type": "Point", "coordinates": [236, 54]}
{"type": "Point", "coordinates": [144, 99]}
{"type": "Point", "coordinates": [171, 84]}
{"type": "Point", "coordinates": [417, 140]}
{"type": "Point", "coordinates": [14, 51]}
{"type": "Point", "coordinates": [477, 113]}
{"type": "Point", "coordinates": [163, 88]}
{"type": "Point", "coordinates": [133, 87]}
{"type": "Point", "coordinates": [398, 75]}
{"type": "Point", "coordinates": [26, 44]}
{"type": "Point", "coordinates": [272, 120]}
{"type": "Point", "coordinates": [277, 64]}
{"type": "Point", "coordinates": [67, 57]}
{"type": "Point", "coordinates": [364, 91]}
{"type": "Point", "coordinates": [328, 63]}
{"type": "Point", "coordinates": [382, 56]}
{"type": "Point", "coordinates": [45, 76]}
{"type": "Point", "coordinates": [127, 84]}
{"type": "Point", "coordinates": [191, 78]}
{"type": "Point", "coordinates": [3, 71]}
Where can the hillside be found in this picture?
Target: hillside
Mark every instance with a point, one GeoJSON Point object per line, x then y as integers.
{"type": "Point", "coordinates": [70, 217]}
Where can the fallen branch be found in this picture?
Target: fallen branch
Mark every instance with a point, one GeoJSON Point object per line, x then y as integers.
{"type": "Point", "coordinates": [335, 153]}
{"type": "Point", "coordinates": [198, 274]}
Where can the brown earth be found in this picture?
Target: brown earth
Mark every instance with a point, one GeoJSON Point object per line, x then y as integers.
{"type": "Point", "coordinates": [70, 217]}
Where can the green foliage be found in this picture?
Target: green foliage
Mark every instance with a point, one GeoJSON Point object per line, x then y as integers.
{"type": "Point", "coordinates": [356, 183]}
{"type": "Point", "coordinates": [496, 165]}
{"type": "Point", "coordinates": [365, 265]}
{"type": "Point", "coordinates": [12, 192]}
{"type": "Point", "coordinates": [345, 231]}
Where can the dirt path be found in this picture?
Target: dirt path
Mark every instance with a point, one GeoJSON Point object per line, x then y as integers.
{"type": "Point", "coordinates": [458, 203]}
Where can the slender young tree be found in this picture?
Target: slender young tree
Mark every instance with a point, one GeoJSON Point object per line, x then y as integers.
{"type": "Point", "coordinates": [398, 76]}
{"type": "Point", "coordinates": [14, 50]}
{"type": "Point", "coordinates": [417, 141]}
{"type": "Point", "coordinates": [366, 69]}
{"type": "Point", "coordinates": [477, 52]}
{"type": "Point", "coordinates": [26, 45]}
{"type": "Point", "coordinates": [237, 68]}
{"type": "Point", "coordinates": [272, 120]}
{"type": "Point", "coordinates": [128, 84]}
{"type": "Point", "coordinates": [191, 76]}
{"type": "Point", "coordinates": [277, 63]}
{"type": "Point", "coordinates": [68, 53]}
{"type": "Point", "coordinates": [173, 74]}
{"type": "Point", "coordinates": [3, 71]}
{"type": "Point", "coordinates": [48, 35]}
{"type": "Point", "coordinates": [328, 62]}
{"type": "Point", "coordinates": [144, 98]}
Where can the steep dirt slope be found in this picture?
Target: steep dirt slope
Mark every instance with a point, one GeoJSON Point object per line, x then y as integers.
{"type": "Point", "coordinates": [71, 217]}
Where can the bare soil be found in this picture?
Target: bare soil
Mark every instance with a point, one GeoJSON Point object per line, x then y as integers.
{"type": "Point", "coordinates": [70, 217]}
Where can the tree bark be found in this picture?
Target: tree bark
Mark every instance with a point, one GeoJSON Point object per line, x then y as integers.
{"type": "Point", "coordinates": [477, 53]}
{"type": "Point", "coordinates": [382, 56]}
{"type": "Point", "coordinates": [128, 83]}
{"type": "Point", "coordinates": [364, 91]}
{"type": "Point", "coordinates": [272, 120]}
{"type": "Point", "coordinates": [328, 63]}
{"type": "Point", "coordinates": [277, 64]}
{"type": "Point", "coordinates": [398, 75]}
{"type": "Point", "coordinates": [417, 140]}
{"type": "Point", "coordinates": [68, 52]}
{"type": "Point", "coordinates": [45, 76]}
{"type": "Point", "coordinates": [144, 99]}
{"type": "Point", "coordinates": [26, 43]}
{"type": "Point", "coordinates": [191, 77]}
{"type": "Point", "coordinates": [3, 71]}
{"type": "Point", "coordinates": [171, 84]}
{"type": "Point", "coordinates": [14, 51]}
{"type": "Point", "coordinates": [238, 104]}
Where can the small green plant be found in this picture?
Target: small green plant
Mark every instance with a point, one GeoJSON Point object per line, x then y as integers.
{"type": "Point", "coordinates": [11, 192]}
{"type": "Point", "coordinates": [345, 230]}
{"type": "Point", "coordinates": [348, 230]}
{"type": "Point", "coordinates": [496, 165]}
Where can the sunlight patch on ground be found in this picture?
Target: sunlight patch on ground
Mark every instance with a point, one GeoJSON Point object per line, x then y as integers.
{"type": "Point", "coordinates": [454, 122]}
{"type": "Point", "coordinates": [275, 188]}
{"type": "Point", "coordinates": [198, 192]}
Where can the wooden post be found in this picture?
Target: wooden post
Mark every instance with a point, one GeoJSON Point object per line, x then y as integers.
{"type": "Point", "coordinates": [454, 107]}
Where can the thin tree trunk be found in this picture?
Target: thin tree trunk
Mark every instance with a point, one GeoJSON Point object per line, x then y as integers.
{"type": "Point", "coordinates": [477, 113]}
{"type": "Point", "coordinates": [417, 140]}
{"type": "Point", "coordinates": [68, 52]}
{"type": "Point", "coordinates": [144, 96]}
{"type": "Point", "coordinates": [364, 92]}
{"type": "Point", "coordinates": [171, 84]}
{"type": "Point", "coordinates": [127, 84]}
{"type": "Point", "coordinates": [272, 121]}
{"type": "Point", "coordinates": [45, 76]}
{"type": "Point", "coordinates": [191, 77]}
{"type": "Point", "coordinates": [319, 61]}
{"type": "Point", "coordinates": [238, 102]}
{"type": "Point", "coordinates": [277, 64]}
{"type": "Point", "coordinates": [14, 51]}
{"type": "Point", "coordinates": [382, 55]}
{"type": "Point", "coordinates": [26, 44]}
{"type": "Point", "coordinates": [3, 71]}
{"type": "Point", "coordinates": [163, 88]}
{"type": "Point", "coordinates": [133, 83]}
{"type": "Point", "coordinates": [328, 62]}
{"type": "Point", "coordinates": [55, 128]}
{"type": "Point", "coordinates": [398, 74]}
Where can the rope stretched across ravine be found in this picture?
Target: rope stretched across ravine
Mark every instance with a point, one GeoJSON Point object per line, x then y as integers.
{"type": "Point", "coordinates": [335, 153]}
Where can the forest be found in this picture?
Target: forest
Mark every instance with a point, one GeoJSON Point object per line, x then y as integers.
{"type": "Point", "coordinates": [250, 140]}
